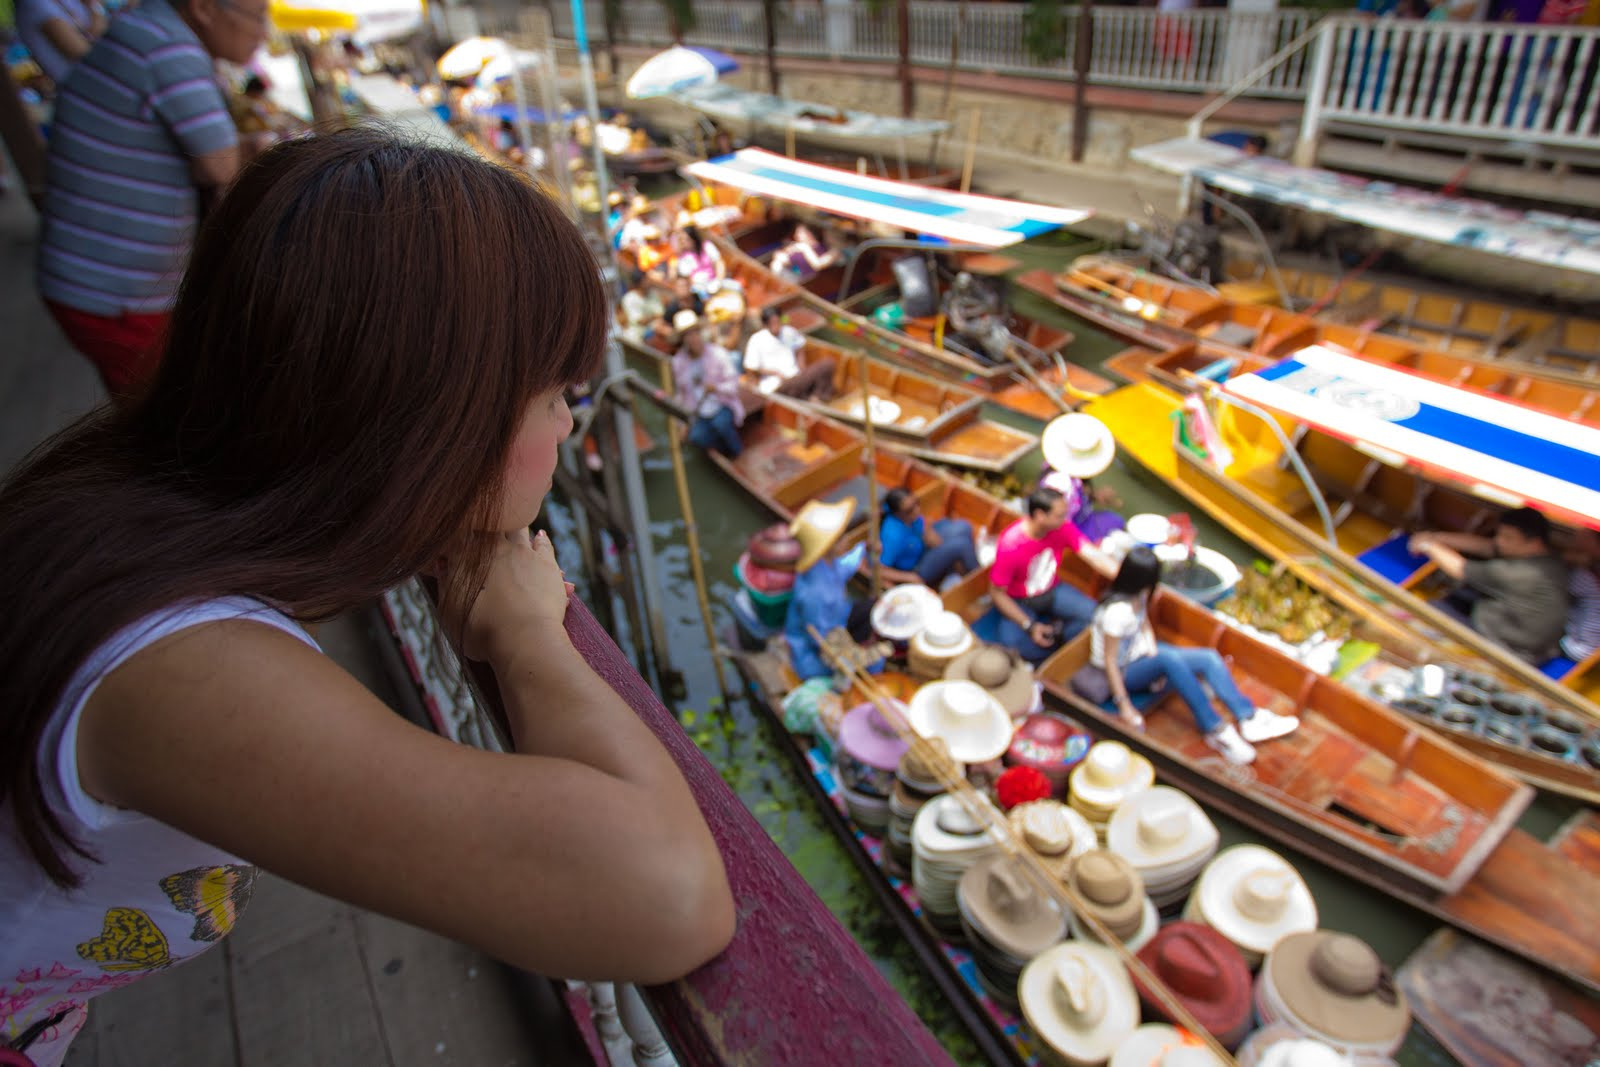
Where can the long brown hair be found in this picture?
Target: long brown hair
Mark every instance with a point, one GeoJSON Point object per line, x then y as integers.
{"type": "Point", "coordinates": [362, 327]}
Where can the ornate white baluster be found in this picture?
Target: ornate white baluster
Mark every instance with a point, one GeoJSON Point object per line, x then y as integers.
{"type": "Point", "coordinates": [649, 1048]}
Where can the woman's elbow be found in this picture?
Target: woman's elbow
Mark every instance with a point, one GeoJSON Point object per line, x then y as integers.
{"type": "Point", "coordinates": [697, 926]}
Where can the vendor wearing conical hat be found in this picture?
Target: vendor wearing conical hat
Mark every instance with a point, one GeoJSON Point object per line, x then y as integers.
{"type": "Point", "coordinates": [820, 599]}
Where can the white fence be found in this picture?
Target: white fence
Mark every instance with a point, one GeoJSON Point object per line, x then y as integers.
{"type": "Point", "coordinates": [1499, 81]}
{"type": "Point", "coordinates": [1193, 51]}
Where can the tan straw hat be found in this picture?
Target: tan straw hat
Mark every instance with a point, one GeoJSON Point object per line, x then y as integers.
{"type": "Point", "coordinates": [1079, 1000]}
{"type": "Point", "coordinates": [817, 527]}
{"type": "Point", "coordinates": [1112, 890]}
{"type": "Point", "coordinates": [1008, 909]}
{"type": "Point", "coordinates": [965, 716]}
{"type": "Point", "coordinates": [1079, 445]}
{"type": "Point", "coordinates": [1110, 774]}
{"type": "Point", "coordinates": [1053, 832]}
{"type": "Point", "coordinates": [1254, 898]}
{"type": "Point", "coordinates": [942, 639]}
{"type": "Point", "coordinates": [1000, 670]}
{"type": "Point", "coordinates": [1334, 988]}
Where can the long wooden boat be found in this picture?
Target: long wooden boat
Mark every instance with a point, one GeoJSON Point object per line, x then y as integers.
{"type": "Point", "coordinates": [1368, 790]}
{"type": "Point", "coordinates": [1260, 498]}
{"type": "Point", "coordinates": [1157, 312]}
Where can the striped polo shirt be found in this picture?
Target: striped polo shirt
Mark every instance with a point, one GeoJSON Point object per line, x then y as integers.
{"type": "Point", "coordinates": [120, 203]}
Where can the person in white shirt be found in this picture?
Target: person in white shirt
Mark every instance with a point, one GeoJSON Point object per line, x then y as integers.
{"type": "Point", "coordinates": [773, 352]}
{"type": "Point", "coordinates": [1123, 644]}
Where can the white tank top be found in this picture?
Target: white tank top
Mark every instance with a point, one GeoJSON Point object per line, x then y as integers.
{"type": "Point", "coordinates": [157, 898]}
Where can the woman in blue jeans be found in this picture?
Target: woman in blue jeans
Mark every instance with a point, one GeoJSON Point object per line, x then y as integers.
{"type": "Point", "coordinates": [1124, 645]}
{"type": "Point", "coordinates": [914, 553]}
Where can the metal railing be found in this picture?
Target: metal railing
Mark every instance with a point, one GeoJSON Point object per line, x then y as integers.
{"type": "Point", "coordinates": [1190, 51]}
{"type": "Point", "coordinates": [1496, 81]}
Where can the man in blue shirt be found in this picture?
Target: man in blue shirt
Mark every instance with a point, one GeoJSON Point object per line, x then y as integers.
{"type": "Point", "coordinates": [914, 553]}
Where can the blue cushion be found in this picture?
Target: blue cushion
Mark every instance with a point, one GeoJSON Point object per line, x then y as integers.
{"type": "Point", "coordinates": [1393, 560]}
{"type": "Point", "coordinates": [1557, 668]}
{"type": "Point", "coordinates": [987, 628]}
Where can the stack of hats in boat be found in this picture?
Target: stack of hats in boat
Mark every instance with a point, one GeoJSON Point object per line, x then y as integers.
{"type": "Point", "coordinates": [946, 839]}
{"type": "Point", "coordinates": [1332, 987]}
{"type": "Point", "coordinates": [1206, 973]}
{"type": "Point", "coordinates": [1160, 1045]}
{"type": "Point", "coordinates": [866, 759]}
{"type": "Point", "coordinates": [1006, 675]}
{"type": "Point", "coordinates": [936, 645]}
{"type": "Point", "coordinates": [1079, 1001]}
{"type": "Point", "coordinates": [1051, 744]}
{"type": "Point", "coordinates": [1113, 895]}
{"type": "Point", "coordinates": [765, 572]}
{"type": "Point", "coordinates": [1054, 833]}
{"type": "Point", "coordinates": [915, 784]}
{"type": "Point", "coordinates": [902, 611]}
{"type": "Point", "coordinates": [1281, 1045]}
{"type": "Point", "coordinates": [1254, 898]}
{"type": "Point", "coordinates": [1009, 919]}
{"type": "Point", "coordinates": [1109, 775]}
{"type": "Point", "coordinates": [1167, 838]}
{"type": "Point", "coordinates": [965, 716]}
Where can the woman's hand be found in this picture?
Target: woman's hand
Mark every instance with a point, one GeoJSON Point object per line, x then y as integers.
{"type": "Point", "coordinates": [1107, 497]}
{"type": "Point", "coordinates": [523, 601]}
{"type": "Point", "coordinates": [1130, 715]}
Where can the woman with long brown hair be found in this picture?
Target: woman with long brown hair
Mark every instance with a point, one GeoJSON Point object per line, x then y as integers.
{"type": "Point", "coordinates": [363, 379]}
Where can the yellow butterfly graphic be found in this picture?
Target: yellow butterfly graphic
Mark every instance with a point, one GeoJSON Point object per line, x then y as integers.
{"type": "Point", "coordinates": [129, 942]}
{"type": "Point", "coordinates": [213, 895]}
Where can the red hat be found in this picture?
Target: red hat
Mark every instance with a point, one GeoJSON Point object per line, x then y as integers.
{"type": "Point", "coordinates": [1205, 971]}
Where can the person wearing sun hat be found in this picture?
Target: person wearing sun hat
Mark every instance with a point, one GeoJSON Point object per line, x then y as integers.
{"type": "Point", "coordinates": [1076, 448]}
{"type": "Point", "coordinates": [707, 383]}
{"type": "Point", "coordinates": [821, 600]}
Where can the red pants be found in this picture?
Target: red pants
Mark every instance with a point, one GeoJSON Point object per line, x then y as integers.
{"type": "Point", "coordinates": [126, 350]}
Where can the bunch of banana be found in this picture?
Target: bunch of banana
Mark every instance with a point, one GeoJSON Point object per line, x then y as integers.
{"type": "Point", "coordinates": [1279, 603]}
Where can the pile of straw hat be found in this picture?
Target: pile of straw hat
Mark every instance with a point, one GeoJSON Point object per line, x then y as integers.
{"type": "Point", "coordinates": [1332, 987]}
{"type": "Point", "coordinates": [934, 647]}
{"type": "Point", "coordinates": [963, 715]}
{"type": "Point", "coordinates": [915, 784]}
{"type": "Point", "coordinates": [1079, 1001]}
{"type": "Point", "coordinates": [1053, 832]}
{"type": "Point", "coordinates": [1160, 1045]}
{"type": "Point", "coordinates": [1008, 920]}
{"type": "Point", "coordinates": [1113, 894]}
{"type": "Point", "coordinates": [1168, 839]}
{"type": "Point", "coordinates": [903, 610]}
{"type": "Point", "coordinates": [1206, 973]}
{"type": "Point", "coordinates": [1109, 775]}
{"type": "Point", "coordinates": [1254, 898]}
{"type": "Point", "coordinates": [1052, 744]}
{"type": "Point", "coordinates": [946, 839]}
{"type": "Point", "coordinates": [1281, 1045]}
{"type": "Point", "coordinates": [868, 753]}
{"type": "Point", "coordinates": [1005, 674]}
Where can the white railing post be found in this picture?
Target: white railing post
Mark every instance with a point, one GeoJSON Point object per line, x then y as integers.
{"type": "Point", "coordinates": [649, 1047]}
{"type": "Point", "coordinates": [1305, 147]}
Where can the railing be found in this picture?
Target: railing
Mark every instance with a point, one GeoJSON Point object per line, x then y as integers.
{"type": "Point", "coordinates": [1498, 81]}
{"type": "Point", "coordinates": [792, 988]}
{"type": "Point", "coordinates": [1189, 51]}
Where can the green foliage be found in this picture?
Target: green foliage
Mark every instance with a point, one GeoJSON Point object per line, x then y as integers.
{"type": "Point", "coordinates": [1044, 30]}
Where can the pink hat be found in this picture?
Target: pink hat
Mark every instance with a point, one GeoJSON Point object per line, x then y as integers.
{"type": "Point", "coordinates": [867, 736]}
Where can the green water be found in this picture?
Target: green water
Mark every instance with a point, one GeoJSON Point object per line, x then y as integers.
{"type": "Point", "coordinates": [743, 748]}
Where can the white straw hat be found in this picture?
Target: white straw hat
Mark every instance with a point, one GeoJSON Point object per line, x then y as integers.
{"type": "Point", "coordinates": [1079, 1000]}
{"type": "Point", "coordinates": [1079, 445]}
{"type": "Point", "coordinates": [904, 610]}
{"type": "Point", "coordinates": [1161, 1045]}
{"type": "Point", "coordinates": [944, 637]}
{"type": "Point", "coordinates": [685, 320]}
{"type": "Point", "coordinates": [963, 714]}
{"type": "Point", "coordinates": [1110, 774]}
{"type": "Point", "coordinates": [1254, 898]}
{"type": "Point", "coordinates": [1161, 828]}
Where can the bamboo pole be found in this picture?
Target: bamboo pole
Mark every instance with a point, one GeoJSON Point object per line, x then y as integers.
{"type": "Point", "coordinates": [972, 150]}
{"type": "Point", "coordinates": [692, 535]}
{"type": "Point", "coordinates": [873, 551]}
{"type": "Point", "coordinates": [841, 652]}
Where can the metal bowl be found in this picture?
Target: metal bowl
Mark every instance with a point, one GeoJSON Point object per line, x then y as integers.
{"type": "Point", "coordinates": [1552, 741]}
{"type": "Point", "coordinates": [1463, 718]}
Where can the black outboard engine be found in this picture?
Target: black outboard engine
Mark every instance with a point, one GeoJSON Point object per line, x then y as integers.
{"type": "Point", "coordinates": [917, 296]}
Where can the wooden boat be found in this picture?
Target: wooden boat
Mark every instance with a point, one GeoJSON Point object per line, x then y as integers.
{"type": "Point", "coordinates": [1158, 313]}
{"type": "Point", "coordinates": [1444, 837]}
{"type": "Point", "coordinates": [923, 416]}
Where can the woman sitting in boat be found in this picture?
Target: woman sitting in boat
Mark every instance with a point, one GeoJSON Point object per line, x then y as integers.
{"type": "Point", "coordinates": [708, 385]}
{"type": "Point", "coordinates": [154, 748]}
{"type": "Point", "coordinates": [697, 259]}
{"type": "Point", "coordinates": [912, 552]}
{"type": "Point", "coordinates": [1123, 644]}
{"type": "Point", "coordinates": [1076, 448]}
{"type": "Point", "coordinates": [644, 316]}
{"type": "Point", "coordinates": [803, 256]}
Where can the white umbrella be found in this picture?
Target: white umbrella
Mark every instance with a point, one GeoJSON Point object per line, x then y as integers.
{"type": "Point", "coordinates": [467, 59]}
{"type": "Point", "coordinates": [679, 68]}
{"type": "Point", "coordinates": [503, 66]}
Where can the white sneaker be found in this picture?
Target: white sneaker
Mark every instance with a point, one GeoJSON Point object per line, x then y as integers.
{"type": "Point", "coordinates": [1264, 725]}
{"type": "Point", "coordinates": [1235, 749]}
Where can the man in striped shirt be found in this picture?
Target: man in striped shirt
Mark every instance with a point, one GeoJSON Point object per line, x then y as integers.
{"type": "Point", "coordinates": [141, 134]}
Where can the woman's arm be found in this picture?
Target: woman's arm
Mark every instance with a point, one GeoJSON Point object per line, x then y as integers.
{"type": "Point", "coordinates": [1119, 686]}
{"type": "Point", "coordinates": [581, 855]}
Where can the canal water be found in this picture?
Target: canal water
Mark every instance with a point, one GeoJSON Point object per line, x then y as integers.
{"type": "Point", "coordinates": [745, 750]}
